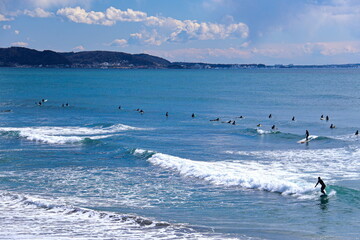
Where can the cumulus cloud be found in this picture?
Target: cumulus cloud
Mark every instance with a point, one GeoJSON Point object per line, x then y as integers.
{"type": "Point", "coordinates": [6, 27]}
{"type": "Point", "coordinates": [38, 12]}
{"type": "Point", "coordinates": [19, 44]}
{"type": "Point", "coordinates": [79, 15]}
{"type": "Point", "coordinates": [79, 48]}
{"type": "Point", "coordinates": [125, 16]}
{"type": "Point", "coordinates": [193, 30]}
{"type": "Point", "coordinates": [159, 29]}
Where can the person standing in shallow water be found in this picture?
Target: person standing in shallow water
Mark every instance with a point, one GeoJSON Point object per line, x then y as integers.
{"type": "Point", "coordinates": [323, 186]}
{"type": "Point", "coordinates": [307, 135]}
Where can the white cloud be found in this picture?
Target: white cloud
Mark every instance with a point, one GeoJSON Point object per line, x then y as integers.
{"type": "Point", "coordinates": [38, 12]}
{"type": "Point", "coordinates": [79, 48]}
{"type": "Point", "coordinates": [6, 27]}
{"type": "Point", "coordinates": [125, 16]}
{"type": "Point", "coordinates": [79, 15]}
{"type": "Point", "coordinates": [19, 44]}
{"type": "Point", "coordinates": [192, 30]}
{"type": "Point", "coordinates": [17, 32]}
{"type": "Point", "coordinates": [119, 43]}
{"type": "Point", "coordinates": [159, 29]}
{"type": "Point", "coordinates": [3, 18]}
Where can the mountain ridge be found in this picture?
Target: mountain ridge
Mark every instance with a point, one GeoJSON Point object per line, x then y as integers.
{"type": "Point", "coordinates": [26, 57]}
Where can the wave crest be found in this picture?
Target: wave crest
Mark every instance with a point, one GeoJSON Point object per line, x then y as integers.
{"type": "Point", "coordinates": [65, 135]}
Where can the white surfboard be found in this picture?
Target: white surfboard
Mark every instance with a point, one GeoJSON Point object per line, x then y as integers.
{"type": "Point", "coordinates": [311, 137]}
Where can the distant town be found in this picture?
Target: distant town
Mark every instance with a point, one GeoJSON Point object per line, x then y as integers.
{"type": "Point", "coordinates": [21, 57]}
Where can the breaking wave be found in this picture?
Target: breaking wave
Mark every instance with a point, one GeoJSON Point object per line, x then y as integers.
{"type": "Point", "coordinates": [48, 219]}
{"type": "Point", "coordinates": [249, 174]}
{"type": "Point", "coordinates": [65, 135]}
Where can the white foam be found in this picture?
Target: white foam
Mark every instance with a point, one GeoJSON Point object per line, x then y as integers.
{"type": "Point", "coordinates": [63, 135]}
{"type": "Point", "coordinates": [347, 137]}
{"type": "Point", "coordinates": [261, 131]}
{"type": "Point", "coordinates": [339, 163]}
{"type": "Point", "coordinates": [250, 174]}
{"type": "Point", "coordinates": [28, 217]}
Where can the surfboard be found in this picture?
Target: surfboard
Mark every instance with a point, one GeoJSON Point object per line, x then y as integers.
{"type": "Point", "coordinates": [311, 137]}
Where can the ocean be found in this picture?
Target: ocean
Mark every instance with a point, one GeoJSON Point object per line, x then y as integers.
{"type": "Point", "coordinates": [86, 163]}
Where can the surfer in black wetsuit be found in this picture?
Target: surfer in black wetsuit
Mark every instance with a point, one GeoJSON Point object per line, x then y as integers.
{"type": "Point", "coordinates": [167, 114]}
{"type": "Point", "coordinates": [293, 118]}
{"type": "Point", "coordinates": [307, 135]}
{"type": "Point", "coordinates": [270, 116]}
{"type": "Point", "coordinates": [215, 120]}
{"type": "Point", "coordinates": [357, 132]}
{"type": "Point", "coordinates": [273, 127]}
{"type": "Point", "coordinates": [323, 186]}
{"type": "Point", "coordinates": [193, 115]}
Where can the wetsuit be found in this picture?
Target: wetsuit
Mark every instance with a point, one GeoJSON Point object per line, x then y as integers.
{"type": "Point", "coordinates": [323, 186]}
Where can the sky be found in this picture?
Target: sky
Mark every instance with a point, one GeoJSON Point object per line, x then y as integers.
{"type": "Point", "coordinates": [211, 31]}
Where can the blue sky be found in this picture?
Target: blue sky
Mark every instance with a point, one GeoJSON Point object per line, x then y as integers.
{"type": "Point", "coordinates": [214, 31]}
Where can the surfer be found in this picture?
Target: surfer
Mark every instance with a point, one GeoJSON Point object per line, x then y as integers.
{"type": "Point", "coordinates": [323, 186]}
{"type": "Point", "coordinates": [270, 116]}
{"type": "Point", "coordinates": [327, 118]}
{"type": "Point", "coordinates": [119, 107]}
{"type": "Point", "coordinates": [166, 114]}
{"type": "Point", "coordinates": [259, 125]}
{"type": "Point", "coordinates": [141, 111]}
{"type": "Point", "coordinates": [215, 120]}
{"type": "Point", "coordinates": [273, 127]}
{"type": "Point", "coordinates": [307, 135]}
{"type": "Point", "coordinates": [322, 117]}
{"type": "Point", "coordinates": [193, 115]}
{"type": "Point", "coordinates": [293, 118]}
{"type": "Point", "coordinates": [357, 132]}
{"type": "Point", "coordinates": [332, 126]}
{"type": "Point", "coordinates": [234, 123]}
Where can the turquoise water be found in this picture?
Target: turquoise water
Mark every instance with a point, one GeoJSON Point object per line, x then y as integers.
{"type": "Point", "coordinates": [93, 171]}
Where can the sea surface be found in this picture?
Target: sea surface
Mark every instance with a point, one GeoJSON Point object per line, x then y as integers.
{"type": "Point", "coordinates": [78, 167]}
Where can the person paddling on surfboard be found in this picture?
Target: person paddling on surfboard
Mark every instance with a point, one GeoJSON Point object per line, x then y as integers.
{"type": "Point", "coordinates": [323, 186]}
{"type": "Point", "coordinates": [307, 135]}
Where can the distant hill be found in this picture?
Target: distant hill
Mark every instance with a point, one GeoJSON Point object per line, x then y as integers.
{"type": "Point", "coordinates": [20, 56]}
{"type": "Point", "coordinates": [23, 56]}
{"type": "Point", "coordinates": [107, 58]}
